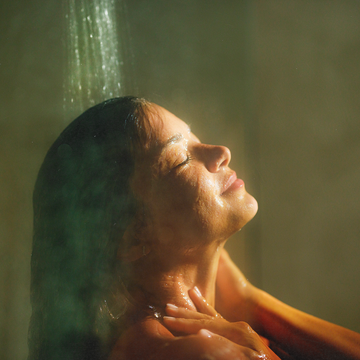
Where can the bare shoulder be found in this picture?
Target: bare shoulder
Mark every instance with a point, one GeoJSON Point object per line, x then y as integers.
{"type": "Point", "coordinates": [150, 340]}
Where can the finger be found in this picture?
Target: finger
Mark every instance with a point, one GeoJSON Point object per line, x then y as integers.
{"type": "Point", "coordinates": [201, 304]}
{"type": "Point", "coordinates": [229, 349]}
{"type": "Point", "coordinates": [240, 333]}
{"type": "Point", "coordinates": [206, 344]}
{"type": "Point", "coordinates": [191, 326]}
{"type": "Point", "coordinates": [177, 312]}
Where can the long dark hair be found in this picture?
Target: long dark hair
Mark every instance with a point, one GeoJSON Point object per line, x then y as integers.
{"type": "Point", "coordinates": [82, 205]}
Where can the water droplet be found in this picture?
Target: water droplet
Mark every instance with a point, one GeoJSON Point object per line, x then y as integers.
{"type": "Point", "coordinates": [103, 51]}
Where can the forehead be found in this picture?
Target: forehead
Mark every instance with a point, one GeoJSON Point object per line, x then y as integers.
{"type": "Point", "coordinates": [165, 125]}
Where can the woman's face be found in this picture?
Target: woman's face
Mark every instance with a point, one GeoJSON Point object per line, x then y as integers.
{"type": "Point", "coordinates": [190, 193]}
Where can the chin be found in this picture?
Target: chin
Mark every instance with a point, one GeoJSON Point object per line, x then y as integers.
{"type": "Point", "coordinates": [252, 206]}
{"type": "Point", "coordinates": [249, 208]}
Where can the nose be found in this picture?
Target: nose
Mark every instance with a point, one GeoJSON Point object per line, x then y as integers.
{"type": "Point", "coordinates": [216, 157]}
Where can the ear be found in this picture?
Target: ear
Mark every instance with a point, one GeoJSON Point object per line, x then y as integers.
{"type": "Point", "coordinates": [132, 248]}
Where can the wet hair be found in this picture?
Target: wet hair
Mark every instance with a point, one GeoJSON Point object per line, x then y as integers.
{"type": "Point", "coordinates": [82, 206]}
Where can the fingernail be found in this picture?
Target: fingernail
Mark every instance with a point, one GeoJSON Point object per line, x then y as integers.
{"type": "Point", "coordinates": [171, 318]}
{"type": "Point", "coordinates": [206, 333]}
{"type": "Point", "coordinates": [171, 306]}
{"type": "Point", "coordinates": [197, 291]}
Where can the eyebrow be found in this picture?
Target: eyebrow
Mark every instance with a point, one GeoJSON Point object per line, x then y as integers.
{"type": "Point", "coordinates": [174, 139]}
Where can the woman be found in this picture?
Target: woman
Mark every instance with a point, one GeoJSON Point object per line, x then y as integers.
{"type": "Point", "coordinates": [131, 215]}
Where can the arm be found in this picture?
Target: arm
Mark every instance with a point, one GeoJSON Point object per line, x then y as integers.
{"type": "Point", "coordinates": [304, 335]}
{"type": "Point", "coordinates": [301, 335]}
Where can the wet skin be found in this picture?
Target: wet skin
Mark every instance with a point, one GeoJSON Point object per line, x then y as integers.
{"type": "Point", "coordinates": [204, 334]}
{"type": "Point", "coordinates": [193, 196]}
{"type": "Point", "coordinates": [191, 203]}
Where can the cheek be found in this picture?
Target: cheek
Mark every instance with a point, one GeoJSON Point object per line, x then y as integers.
{"type": "Point", "coordinates": [178, 196]}
{"type": "Point", "coordinates": [203, 208]}
{"type": "Point", "coordinates": [208, 204]}
{"type": "Point", "coordinates": [181, 202]}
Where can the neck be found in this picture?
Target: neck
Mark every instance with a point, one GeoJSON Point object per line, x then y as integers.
{"type": "Point", "coordinates": [169, 278]}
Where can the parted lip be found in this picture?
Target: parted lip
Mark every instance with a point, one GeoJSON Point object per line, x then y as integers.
{"type": "Point", "coordinates": [231, 179]}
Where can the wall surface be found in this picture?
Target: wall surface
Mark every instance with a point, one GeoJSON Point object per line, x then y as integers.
{"type": "Point", "coordinates": [30, 119]}
{"type": "Point", "coordinates": [276, 81]}
{"type": "Point", "coordinates": [307, 90]}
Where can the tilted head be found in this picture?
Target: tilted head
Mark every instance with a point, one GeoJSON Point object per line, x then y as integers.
{"type": "Point", "coordinates": [189, 194]}
{"type": "Point", "coordinates": [124, 176]}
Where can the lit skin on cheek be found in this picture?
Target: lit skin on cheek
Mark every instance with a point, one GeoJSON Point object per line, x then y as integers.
{"type": "Point", "coordinates": [190, 207]}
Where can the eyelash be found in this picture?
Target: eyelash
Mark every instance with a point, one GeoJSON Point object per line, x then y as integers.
{"type": "Point", "coordinates": [188, 159]}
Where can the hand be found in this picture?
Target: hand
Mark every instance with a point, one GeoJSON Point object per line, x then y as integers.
{"type": "Point", "coordinates": [236, 297]}
{"type": "Point", "coordinates": [209, 323]}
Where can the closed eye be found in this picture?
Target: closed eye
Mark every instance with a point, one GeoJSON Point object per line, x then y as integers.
{"type": "Point", "coordinates": [186, 161]}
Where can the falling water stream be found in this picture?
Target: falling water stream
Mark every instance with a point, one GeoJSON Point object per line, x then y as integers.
{"type": "Point", "coordinates": [92, 72]}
